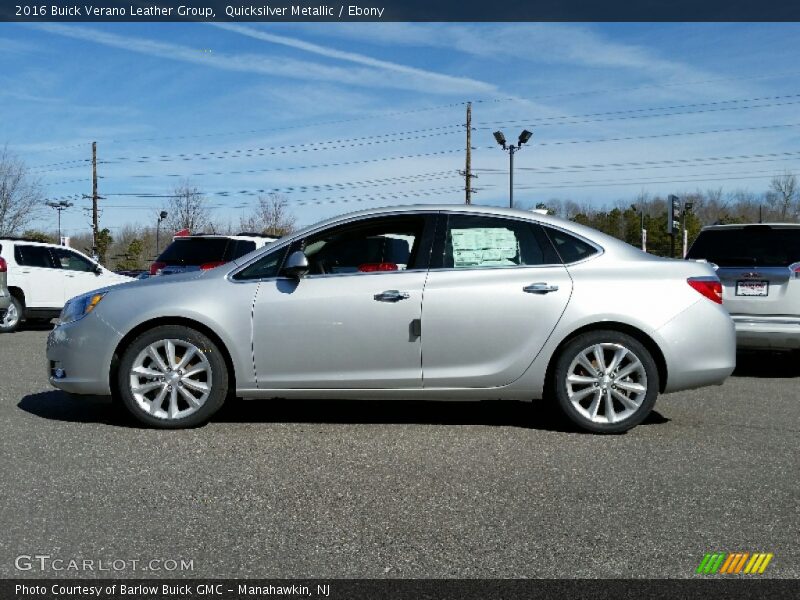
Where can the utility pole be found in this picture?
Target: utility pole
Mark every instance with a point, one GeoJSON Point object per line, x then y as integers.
{"type": "Point", "coordinates": [467, 172]}
{"type": "Point", "coordinates": [95, 197]}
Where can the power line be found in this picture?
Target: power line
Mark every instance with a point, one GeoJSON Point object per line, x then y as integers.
{"type": "Point", "coordinates": [287, 149]}
{"type": "Point", "coordinates": [623, 182]}
{"type": "Point", "coordinates": [634, 114]}
{"type": "Point", "coordinates": [332, 200]}
{"type": "Point", "coordinates": [418, 178]}
{"type": "Point", "coordinates": [591, 92]}
{"type": "Point", "coordinates": [653, 164]}
{"type": "Point", "coordinates": [299, 167]}
{"type": "Point", "coordinates": [660, 135]}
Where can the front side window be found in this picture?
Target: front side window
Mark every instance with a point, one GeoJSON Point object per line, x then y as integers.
{"type": "Point", "coordinates": [475, 241]}
{"type": "Point", "coordinates": [264, 268]}
{"type": "Point", "coordinates": [71, 261]}
{"type": "Point", "coordinates": [383, 244]}
{"type": "Point", "coordinates": [33, 256]}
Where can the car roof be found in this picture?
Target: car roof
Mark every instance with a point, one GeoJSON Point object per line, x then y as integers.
{"type": "Point", "coordinates": [754, 225]}
{"type": "Point", "coordinates": [607, 242]}
{"type": "Point", "coordinates": [249, 237]}
{"type": "Point", "coordinates": [30, 241]}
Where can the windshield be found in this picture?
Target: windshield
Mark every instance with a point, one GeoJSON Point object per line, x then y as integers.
{"type": "Point", "coordinates": [759, 245]}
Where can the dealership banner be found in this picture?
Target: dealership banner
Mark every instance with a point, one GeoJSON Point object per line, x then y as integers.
{"type": "Point", "coordinates": [414, 589]}
{"type": "Point", "coordinates": [399, 10]}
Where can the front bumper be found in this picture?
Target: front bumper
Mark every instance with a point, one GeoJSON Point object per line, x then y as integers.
{"type": "Point", "coordinates": [79, 356]}
{"type": "Point", "coordinates": [767, 332]}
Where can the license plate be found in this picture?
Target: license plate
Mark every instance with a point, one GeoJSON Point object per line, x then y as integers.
{"type": "Point", "coordinates": [752, 288]}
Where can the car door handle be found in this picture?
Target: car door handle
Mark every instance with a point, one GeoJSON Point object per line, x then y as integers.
{"type": "Point", "coordinates": [540, 288]}
{"type": "Point", "coordinates": [392, 296]}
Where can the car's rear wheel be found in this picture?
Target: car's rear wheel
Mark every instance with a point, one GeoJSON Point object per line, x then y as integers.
{"type": "Point", "coordinates": [171, 377]}
{"type": "Point", "coordinates": [13, 317]}
{"type": "Point", "coordinates": [605, 381]}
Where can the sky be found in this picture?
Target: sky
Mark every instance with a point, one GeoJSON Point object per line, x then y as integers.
{"type": "Point", "coordinates": [344, 116]}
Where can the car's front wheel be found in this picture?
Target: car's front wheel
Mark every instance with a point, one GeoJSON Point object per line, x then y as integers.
{"type": "Point", "coordinates": [13, 317]}
{"type": "Point", "coordinates": [605, 381]}
{"type": "Point", "coordinates": [171, 377]}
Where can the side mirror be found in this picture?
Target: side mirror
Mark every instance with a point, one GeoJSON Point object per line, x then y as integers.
{"type": "Point", "coordinates": [98, 270]}
{"type": "Point", "coordinates": [296, 265]}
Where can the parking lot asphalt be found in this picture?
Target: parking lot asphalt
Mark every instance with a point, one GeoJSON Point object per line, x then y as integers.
{"type": "Point", "coordinates": [400, 489]}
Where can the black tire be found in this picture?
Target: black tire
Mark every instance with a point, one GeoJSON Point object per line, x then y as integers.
{"type": "Point", "coordinates": [215, 361]}
{"type": "Point", "coordinates": [646, 377]}
{"type": "Point", "coordinates": [19, 307]}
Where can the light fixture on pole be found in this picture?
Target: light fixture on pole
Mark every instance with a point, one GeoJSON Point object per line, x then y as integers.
{"type": "Point", "coordinates": [59, 206]}
{"type": "Point", "coordinates": [161, 216]}
{"type": "Point", "coordinates": [524, 137]}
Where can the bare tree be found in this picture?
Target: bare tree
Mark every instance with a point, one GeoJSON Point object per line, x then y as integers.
{"type": "Point", "coordinates": [271, 216]}
{"type": "Point", "coordinates": [20, 195]}
{"type": "Point", "coordinates": [187, 209]}
{"type": "Point", "coordinates": [783, 195]}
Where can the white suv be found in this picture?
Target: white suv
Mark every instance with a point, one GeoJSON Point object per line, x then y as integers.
{"type": "Point", "coordinates": [42, 277]}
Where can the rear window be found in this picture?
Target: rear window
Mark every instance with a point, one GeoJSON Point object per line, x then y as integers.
{"type": "Point", "coordinates": [749, 246]}
{"type": "Point", "coordinates": [239, 248]}
{"type": "Point", "coordinates": [195, 251]}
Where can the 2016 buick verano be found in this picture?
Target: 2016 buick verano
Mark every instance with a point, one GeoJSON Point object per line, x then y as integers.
{"type": "Point", "coordinates": [419, 302]}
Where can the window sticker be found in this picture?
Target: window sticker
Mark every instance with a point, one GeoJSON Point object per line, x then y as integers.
{"type": "Point", "coordinates": [484, 246]}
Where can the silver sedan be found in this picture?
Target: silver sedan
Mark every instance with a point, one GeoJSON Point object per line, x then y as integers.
{"type": "Point", "coordinates": [419, 302]}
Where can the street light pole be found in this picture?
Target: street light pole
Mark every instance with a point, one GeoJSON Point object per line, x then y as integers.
{"type": "Point", "coordinates": [511, 151]}
{"type": "Point", "coordinates": [161, 216]}
{"type": "Point", "coordinates": [59, 206]}
{"type": "Point", "coordinates": [511, 148]}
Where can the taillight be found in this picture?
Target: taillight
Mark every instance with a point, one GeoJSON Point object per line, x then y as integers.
{"type": "Point", "coordinates": [211, 265]}
{"type": "Point", "coordinates": [155, 268]}
{"type": "Point", "coordinates": [710, 287]}
{"type": "Point", "coordinates": [3, 265]}
{"type": "Point", "coordinates": [372, 267]}
{"type": "Point", "coordinates": [794, 269]}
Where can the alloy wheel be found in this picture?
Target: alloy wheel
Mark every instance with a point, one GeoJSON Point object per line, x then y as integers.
{"type": "Point", "coordinates": [170, 379]}
{"type": "Point", "coordinates": [11, 317]}
{"type": "Point", "coordinates": [606, 383]}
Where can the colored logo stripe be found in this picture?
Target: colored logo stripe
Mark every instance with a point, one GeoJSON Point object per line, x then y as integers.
{"type": "Point", "coordinates": [734, 563]}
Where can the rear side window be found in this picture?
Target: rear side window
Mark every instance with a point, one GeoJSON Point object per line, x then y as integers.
{"type": "Point", "coordinates": [238, 248]}
{"type": "Point", "coordinates": [474, 242]}
{"type": "Point", "coordinates": [33, 256]}
{"type": "Point", "coordinates": [569, 248]}
{"type": "Point", "coordinates": [195, 251]}
{"type": "Point", "coordinates": [759, 245]}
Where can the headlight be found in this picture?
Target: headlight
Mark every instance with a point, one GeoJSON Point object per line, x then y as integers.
{"type": "Point", "coordinates": [79, 307]}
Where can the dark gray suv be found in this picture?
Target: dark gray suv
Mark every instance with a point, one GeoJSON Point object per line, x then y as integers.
{"type": "Point", "coordinates": [759, 266]}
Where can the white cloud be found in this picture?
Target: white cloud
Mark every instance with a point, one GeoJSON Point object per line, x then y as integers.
{"type": "Point", "coordinates": [278, 66]}
{"type": "Point", "coordinates": [361, 59]}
